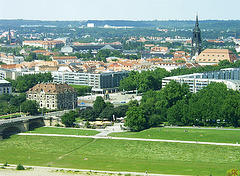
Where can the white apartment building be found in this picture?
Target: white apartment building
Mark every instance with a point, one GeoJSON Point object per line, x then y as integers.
{"type": "Point", "coordinates": [100, 82]}
{"type": "Point", "coordinates": [196, 81]}
{"type": "Point", "coordinates": [11, 59]}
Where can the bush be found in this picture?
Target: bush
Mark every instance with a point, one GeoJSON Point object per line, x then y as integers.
{"type": "Point", "coordinates": [20, 167]}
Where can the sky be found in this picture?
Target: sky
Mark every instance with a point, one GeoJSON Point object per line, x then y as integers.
{"type": "Point", "coordinates": [119, 9]}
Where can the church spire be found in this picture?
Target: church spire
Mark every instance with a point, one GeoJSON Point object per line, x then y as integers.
{"type": "Point", "coordinates": [196, 40]}
{"type": "Point", "coordinates": [197, 25]}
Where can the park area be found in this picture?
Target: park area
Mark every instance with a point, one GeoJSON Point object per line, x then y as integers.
{"type": "Point", "coordinates": [218, 135]}
{"type": "Point", "coordinates": [123, 155]}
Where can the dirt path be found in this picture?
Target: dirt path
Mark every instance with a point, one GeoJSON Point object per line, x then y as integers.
{"type": "Point", "coordinates": [49, 171]}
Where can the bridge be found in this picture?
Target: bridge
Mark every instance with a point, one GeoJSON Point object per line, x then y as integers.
{"type": "Point", "coordinates": [26, 123]}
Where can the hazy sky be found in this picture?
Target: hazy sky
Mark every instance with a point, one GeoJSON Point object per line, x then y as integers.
{"type": "Point", "coordinates": [119, 9]}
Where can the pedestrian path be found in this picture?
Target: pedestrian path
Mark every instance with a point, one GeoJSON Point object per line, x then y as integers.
{"type": "Point", "coordinates": [131, 139]}
{"type": "Point", "coordinates": [110, 129]}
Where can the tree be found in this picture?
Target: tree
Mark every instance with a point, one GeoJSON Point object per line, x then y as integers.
{"type": "Point", "coordinates": [88, 114]}
{"type": "Point", "coordinates": [120, 111]}
{"type": "Point", "coordinates": [69, 118]}
{"type": "Point", "coordinates": [30, 106]}
{"type": "Point", "coordinates": [136, 119]}
{"type": "Point", "coordinates": [108, 113]}
{"type": "Point", "coordinates": [99, 105]}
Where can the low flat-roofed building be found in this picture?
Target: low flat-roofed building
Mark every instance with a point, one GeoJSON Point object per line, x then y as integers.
{"type": "Point", "coordinates": [53, 96]}
{"type": "Point", "coordinates": [5, 87]}
{"type": "Point", "coordinates": [196, 81]}
{"type": "Point", "coordinates": [214, 56]}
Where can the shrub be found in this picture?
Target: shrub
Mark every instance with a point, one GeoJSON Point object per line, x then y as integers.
{"type": "Point", "coordinates": [20, 167]}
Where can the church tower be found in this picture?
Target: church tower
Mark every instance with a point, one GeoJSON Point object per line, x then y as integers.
{"type": "Point", "coordinates": [196, 40]}
{"type": "Point", "coordinates": [9, 37]}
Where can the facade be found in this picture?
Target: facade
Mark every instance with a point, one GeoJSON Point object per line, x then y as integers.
{"type": "Point", "coordinates": [148, 55]}
{"type": "Point", "coordinates": [44, 44]}
{"type": "Point", "coordinates": [100, 82]}
{"type": "Point", "coordinates": [230, 77]}
{"type": "Point", "coordinates": [64, 59]}
{"type": "Point", "coordinates": [160, 50]}
{"type": "Point", "coordinates": [214, 56]}
{"type": "Point", "coordinates": [7, 73]}
{"type": "Point", "coordinates": [196, 41]}
{"type": "Point", "coordinates": [53, 96]}
{"type": "Point", "coordinates": [11, 59]}
{"type": "Point", "coordinates": [5, 87]}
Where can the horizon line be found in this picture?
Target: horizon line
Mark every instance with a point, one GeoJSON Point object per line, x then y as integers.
{"type": "Point", "coordinates": [122, 19]}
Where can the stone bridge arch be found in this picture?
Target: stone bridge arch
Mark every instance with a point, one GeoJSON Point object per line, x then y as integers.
{"type": "Point", "coordinates": [35, 124]}
{"type": "Point", "coordinates": [8, 131]}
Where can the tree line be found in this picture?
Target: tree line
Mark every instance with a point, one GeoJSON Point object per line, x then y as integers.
{"type": "Point", "coordinates": [25, 82]}
{"type": "Point", "coordinates": [10, 104]}
{"type": "Point", "coordinates": [152, 80]}
{"type": "Point", "coordinates": [101, 110]}
{"type": "Point", "coordinates": [214, 105]}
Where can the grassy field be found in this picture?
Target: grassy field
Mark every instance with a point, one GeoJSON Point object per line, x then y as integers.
{"type": "Point", "coordinates": [67, 131]}
{"type": "Point", "coordinates": [8, 116]}
{"type": "Point", "coordinates": [120, 155]}
{"type": "Point", "coordinates": [192, 134]}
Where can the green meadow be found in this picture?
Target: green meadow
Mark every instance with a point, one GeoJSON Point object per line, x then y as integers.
{"type": "Point", "coordinates": [119, 155]}
{"type": "Point", "coordinates": [185, 134]}
{"type": "Point", "coordinates": [65, 131]}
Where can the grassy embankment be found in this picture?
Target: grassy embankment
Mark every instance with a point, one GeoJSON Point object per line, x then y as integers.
{"type": "Point", "coordinates": [185, 134]}
{"type": "Point", "coordinates": [119, 155]}
{"type": "Point", "coordinates": [65, 131]}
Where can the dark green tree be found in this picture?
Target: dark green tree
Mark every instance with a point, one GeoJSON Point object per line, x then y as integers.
{"type": "Point", "coordinates": [136, 119]}
{"type": "Point", "coordinates": [69, 118]}
{"type": "Point", "coordinates": [99, 105]}
{"type": "Point", "coordinates": [30, 106]}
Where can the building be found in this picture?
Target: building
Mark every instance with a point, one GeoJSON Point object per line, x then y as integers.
{"type": "Point", "coordinates": [95, 47]}
{"type": "Point", "coordinates": [196, 41]}
{"type": "Point", "coordinates": [53, 96]}
{"type": "Point", "coordinates": [5, 87]}
{"type": "Point", "coordinates": [159, 50]}
{"type": "Point", "coordinates": [100, 82]}
{"type": "Point", "coordinates": [44, 44]}
{"type": "Point", "coordinates": [11, 59]}
{"type": "Point", "coordinates": [214, 56]}
{"type": "Point", "coordinates": [230, 77]}
{"type": "Point", "coordinates": [64, 59]}
{"type": "Point", "coordinates": [149, 55]}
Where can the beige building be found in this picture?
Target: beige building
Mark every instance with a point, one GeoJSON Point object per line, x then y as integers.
{"type": "Point", "coordinates": [162, 50]}
{"type": "Point", "coordinates": [214, 56]}
{"type": "Point", "coordinates": [53, 96]}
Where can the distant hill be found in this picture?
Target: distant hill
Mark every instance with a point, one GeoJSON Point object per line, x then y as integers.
{"type": "Point", "coordinates": [205, 24]}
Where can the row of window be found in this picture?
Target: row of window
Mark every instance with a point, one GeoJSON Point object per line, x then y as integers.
{"type": "Point", "coordinates": [213, 55]}
{"type": "Point", "coordinates": [214, 60]}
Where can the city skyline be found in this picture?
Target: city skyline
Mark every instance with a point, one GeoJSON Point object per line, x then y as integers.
{"type": "Point", "coordinates": [119, 10]}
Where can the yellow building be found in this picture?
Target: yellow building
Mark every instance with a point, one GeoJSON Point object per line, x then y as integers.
{"type": "Point", "coordinates": [214, 56]}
